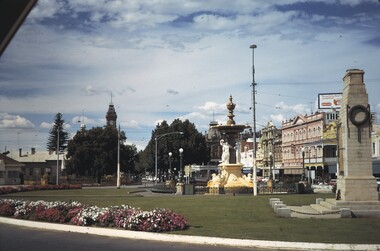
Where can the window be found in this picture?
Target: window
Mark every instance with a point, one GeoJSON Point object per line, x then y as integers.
{"type": "Point", "coordinates": [1, 174]}
{"type": "Point", "coordinates": [13, 174]}
{"type": "Point", "coordinates": [373, 149]}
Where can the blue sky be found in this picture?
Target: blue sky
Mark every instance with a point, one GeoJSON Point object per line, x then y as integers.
{"type": "Point", "coordinates": [169, 59]}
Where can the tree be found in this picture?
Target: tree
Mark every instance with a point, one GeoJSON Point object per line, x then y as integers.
{"type": "Point", "coordinates": [191, 141]}
{"type": "Point", "coordinates": [94, 153]}
{"type": "Point", "coordinates": [53, 135]}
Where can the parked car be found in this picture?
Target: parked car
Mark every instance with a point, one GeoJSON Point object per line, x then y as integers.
{"type": "Point", "coordinates": [332, 182]}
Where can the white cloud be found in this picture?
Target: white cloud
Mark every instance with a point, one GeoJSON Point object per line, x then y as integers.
{"type": "Point", "coordinates": [212, 107]}
{"type": "Point", "coordinates": [297, 109]}
{"type": "Point", "coordinates": [278, 118]}
{"type": "Point", "coordinates": [14, 121]}
{"type": "Point", "coordinates": [131, 124]}
{"type": "Point", "coordinates": [46, 125]}
{"type": "Point", "coordinates": [46, 9]}
{"type": "Point", "coordinates": [159, 70]}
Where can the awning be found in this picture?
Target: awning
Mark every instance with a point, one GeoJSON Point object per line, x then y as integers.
{"type": "Point", "coordinates": [295, 171]}
{"type": "Point", "coordinates": [314, 164]}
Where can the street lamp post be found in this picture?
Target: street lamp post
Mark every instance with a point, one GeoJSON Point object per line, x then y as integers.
{"type": "Point", "coordinates": [309, 168]}
{"type": "Point", "coordinates": [57, 178]}
{"type": "Point", "coordinates": [270, 165]}
{"type": "Point", "coordinates": [303, 162]}
{"type": "Point", "coordinates": [254, 119]}
{"type": "Point", "coordinates": [170, 166]}
{"type": "Point", "coordinates": [158, 137]}
{"type": "Point", "coordinates": [180, 165]}
{"type": "Point", "coordinates": [118, 159]}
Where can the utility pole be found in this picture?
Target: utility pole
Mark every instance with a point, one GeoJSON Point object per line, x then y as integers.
{"type": "Point", "coordinates": [253, 47]}
{"type": "Point", "coordinates": [57, 181]}
{"type": "Point", "coordinates": [118, 159]}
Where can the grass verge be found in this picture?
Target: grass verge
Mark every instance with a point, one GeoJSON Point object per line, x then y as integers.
{"type": "Point", "coordinates": [243, 217]}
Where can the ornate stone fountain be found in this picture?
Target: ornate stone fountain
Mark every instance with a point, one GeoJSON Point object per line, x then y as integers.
{"type": "Point", "coordinates": [230, 179]}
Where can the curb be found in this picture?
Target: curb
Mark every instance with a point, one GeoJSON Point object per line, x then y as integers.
{"type": "Point", "coordinates": [278, 245]}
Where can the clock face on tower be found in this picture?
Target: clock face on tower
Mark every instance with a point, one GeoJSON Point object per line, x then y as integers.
{"type": "Point", "coordinates": [112, 122]}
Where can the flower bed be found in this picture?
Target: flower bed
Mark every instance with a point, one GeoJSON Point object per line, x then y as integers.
{"type": "Point", "coordinates": [126, 217]}
{"type": "Point", "coordinates": [7, 190]}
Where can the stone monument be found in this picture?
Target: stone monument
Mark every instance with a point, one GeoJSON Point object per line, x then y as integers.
{"type": "Point", "coordinates": [356, 185]}
{"type": "Point", "coordinates": [230, 179]}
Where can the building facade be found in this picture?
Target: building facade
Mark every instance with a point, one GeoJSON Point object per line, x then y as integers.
{"type": "Point", "coordinates": [10, 171]}
{"type": "Point", "coordinates": [376, 149]}
{"type": "Point", "coordinates": [302, 144]}
{"type": "Point", "coordinates": [38, 165]}
{"type": "Point", "coordinates": [271, 151]}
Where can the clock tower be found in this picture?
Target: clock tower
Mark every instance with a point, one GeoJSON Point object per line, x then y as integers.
{"type": "Point", "coordinates": [111, 115]}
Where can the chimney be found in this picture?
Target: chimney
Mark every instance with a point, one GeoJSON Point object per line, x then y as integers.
{"type": "Point", "coordinates": [33, 151]}
{"type": "Point", "coordinates": [20, 152]}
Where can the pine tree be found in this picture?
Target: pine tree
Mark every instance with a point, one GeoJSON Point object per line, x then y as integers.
{"type": "Point", "coordinates": [63, 135]}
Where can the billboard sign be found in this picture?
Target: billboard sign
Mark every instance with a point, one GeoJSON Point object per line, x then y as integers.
{"type": "Point", "coordinates": [329, 100]}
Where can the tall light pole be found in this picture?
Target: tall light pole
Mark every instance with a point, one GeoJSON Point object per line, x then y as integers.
{"type": "Point", "coordinates": [170, 166]}
{"type": "Point", "coordinates": [253, 47]}
{"type": "Point", "coordinates": [118, 159]}
{"type": "Point", "coordinates": [57, 178]}
{"type": "Point", "coordinates": [303, 163]}
{"type": "Point", "coordinates": [155, 161]}
{"type": "Point", "coordinates": [180, 165]}
{"type": "Point", "coordinates": [270, 165]}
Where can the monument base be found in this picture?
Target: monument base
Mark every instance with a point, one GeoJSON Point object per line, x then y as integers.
{"type": "Point", "coordinates": [358, 208]}
{"type": "Point", "coordinates": [230, 181]}
{"type": "Point", "coordinates": [356, 188]}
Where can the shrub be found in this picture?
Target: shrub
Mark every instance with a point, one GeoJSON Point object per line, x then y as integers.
{"type": "Point", "coordinates": [7, 190]}
{"type": "Point", "coordinates": [158, 220]}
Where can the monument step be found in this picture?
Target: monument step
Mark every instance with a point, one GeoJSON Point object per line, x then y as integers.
{"type": "Point", "coordinates": [321, 209]}
{"type": "Point", "coordinates": [328, 205]}
{"type": "Point", "coordinates": [353, 205]}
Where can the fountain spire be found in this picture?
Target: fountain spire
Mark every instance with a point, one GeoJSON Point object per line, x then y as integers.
{"type": "Point", "coordinates": [230, 106]}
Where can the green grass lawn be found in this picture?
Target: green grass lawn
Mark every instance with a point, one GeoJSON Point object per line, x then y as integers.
{"type": "Point", "coordinates": [245, 217]}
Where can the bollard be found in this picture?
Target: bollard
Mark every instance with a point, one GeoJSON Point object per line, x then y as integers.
{"type": "Point", "coordinates": [345, 213]}
{"type": "Point", "coordinates": [284, 212]}
{"type": "Point", "coordinates": [277, 206]}
{"type": "Point", "coordinates": [274, 203]}
{"type": "Point", "coordinates": [271, 200]}
{"type": "Point", "coordinates": [318, 201]}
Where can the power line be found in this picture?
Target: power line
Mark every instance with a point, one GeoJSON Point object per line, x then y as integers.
{"type": "Point", "coordinates": [314, 82]}
{"type": "Point", "coordinates": [286, 96]}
